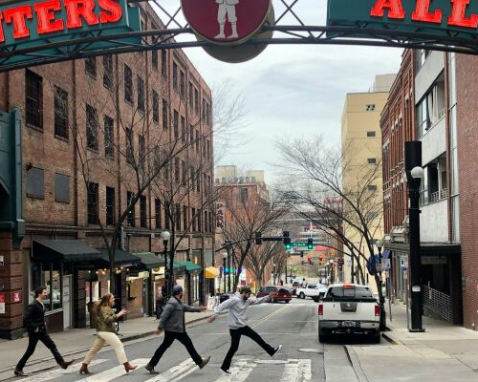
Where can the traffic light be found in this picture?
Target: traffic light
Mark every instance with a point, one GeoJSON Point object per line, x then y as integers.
{"type": "Point", "coordinates": [286, 240]}
{"type": "Point", "coordinates": [309, 259]}
{"type": "Point", "coordinates": [301, 253]}
{"type": "Point", "coordinates": [321, 257]}
{"type": "Point", "coordinates": [310, 243]}
{"type": "Point", "coordinates": [258, 238]}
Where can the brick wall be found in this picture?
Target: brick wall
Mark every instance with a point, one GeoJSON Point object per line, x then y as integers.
{"type": "Point", "coordinates": [467, 122]}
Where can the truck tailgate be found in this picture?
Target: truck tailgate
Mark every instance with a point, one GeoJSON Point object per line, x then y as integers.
{"type": "Point", "coordinates": [349, 311]}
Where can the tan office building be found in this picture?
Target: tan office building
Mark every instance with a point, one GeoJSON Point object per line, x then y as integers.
{"type": "Point", "coordinates": [361, 151]}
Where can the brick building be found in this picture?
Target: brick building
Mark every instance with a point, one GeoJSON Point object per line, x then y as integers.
{"type": "Point", "coordinates": [93, 131]}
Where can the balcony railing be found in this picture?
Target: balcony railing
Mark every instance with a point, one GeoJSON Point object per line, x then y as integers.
{"type": "Point", "coordinates": [439, 195]}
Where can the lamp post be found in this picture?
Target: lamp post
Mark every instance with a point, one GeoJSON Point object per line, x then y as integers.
{"type": "Point", "coordinates": [274, 273]}
{"type": "Point", "coordinates": [331, 262]}
{"type": "Point", "coordinates": [383, 324]}
{"type": "Point", "coordinates": [228, 249]}
{"type": "Point", "coordinates": [165, 235]}
{"type": "Point", "coordinates": [414, 177]}
{"type": "Point", "coordinates": [224, 259]}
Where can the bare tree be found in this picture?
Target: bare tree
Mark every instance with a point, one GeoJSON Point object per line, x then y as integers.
{"type": "Point", "coordinates": [319, 172]}
{"type": "Point", "coordinates": [260, 256]}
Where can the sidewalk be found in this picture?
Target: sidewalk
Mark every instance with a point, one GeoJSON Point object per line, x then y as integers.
{"type": "Point", "coordinates": [74, 343]}
{"type": "Point", "coordinates": [442, 353]}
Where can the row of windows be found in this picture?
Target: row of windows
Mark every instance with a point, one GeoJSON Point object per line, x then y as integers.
{"type": "Point", "coordinates": [34, 117]}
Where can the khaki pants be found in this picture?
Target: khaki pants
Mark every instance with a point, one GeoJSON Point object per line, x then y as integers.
{"type": "Point", "coordinates": [112, 340]}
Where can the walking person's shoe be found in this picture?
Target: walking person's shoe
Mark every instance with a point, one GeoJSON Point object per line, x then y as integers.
{"type": "Point", "coordinates": [277, 349]}
{"type": "Point", "coordinates": [84, 369]}
{"type": "Point", "coordinates": [19, 373]}
{"type": "Point", "coordinates": [151, 369]}
{"type": "Point", "coordinates": [225, 371]}
{"type": "Point", "coordinates": [64, 365]}
{"type": "Point", "coordinates": [204, 362]}
{"type": "Point", "coordinates": [128, 367]}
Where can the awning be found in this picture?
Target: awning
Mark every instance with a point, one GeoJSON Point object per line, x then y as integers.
{"type": "Point", "coordinates": [190, 267]}
{"type": "Point", "coordinates": [149, 260]}
{"type": "Point", "coordinates": [122, 258]}
{"type": "Point", "coordinates": [66, 250]}
{"type": "Point", "coordinates": [212, 272]}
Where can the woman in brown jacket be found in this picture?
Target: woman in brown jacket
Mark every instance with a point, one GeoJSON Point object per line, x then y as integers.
{"type": "Point", "coordinates": [106, 332]}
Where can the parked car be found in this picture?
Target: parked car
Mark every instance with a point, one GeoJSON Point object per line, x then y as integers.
{"type": "Point", "coordinates": [277, 293]}
{"type": "Point", "coordinates": [349, 309]}
{"type": "Point", "coordinates": [313, 290]}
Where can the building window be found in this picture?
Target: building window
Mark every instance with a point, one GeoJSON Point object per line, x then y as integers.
{"type": "Point", "coordinates": [164, 63]}
{"type": "Point", "coordinates": [182, 85]}
{"type": "Point", "coordinates": [48, 274]}
{"type": "Point", "coordinates": [157, 212]}
{"type": "Point", "coordinates": [177, 171]}
{"type": "Point", "coordinates": [90, 66]}
{"type": "Point", "coordinates": [191, 96]}
{"type": "Point", "coordinates": [197, 141]}
{"type": "Point", "coordinates": [62, 188]}
{"type": "Point", "coordinates": [91, 128]}
{"type": "Point", "coordinates": [109, 137]}
{"type": "Point", "coordinates": [155, 107]}
{"type": "Point", "coordinates": [370, 134]}
{"type": "Point", "coordinates": [177, 217]}
{"type": "Point", "coordinates": [131, 209]}
{"type": "Point", "coordinates": [129, 136]}
{"type": "Point", "coordinates": [128, 84]}
{"type": "Point", "coordinates": [184, 173]}
{"type": "Point", "coordinates": [372, 160]}
{"type": "Point", "coordinates": [422, 55]}
{"type": "Point", "coordinates": [176, 124]}
{"type": "Point", "coordinates": [244, 195]}
{"type": "Point", "coordinates": [143, 212]}
{"type": "Point", "coordinates": [199, 219]}
{"type": "Point", "coordinates": [154, 59]}
{"type": "Point", "coordinates": [142, 152]}
{"type": "Point", "coordinates": [370, 107]}
{"type": "Point", "coordinates": [185, 218]}
{"type": "Point", "coordinates": [196, 101]}
{"type": "Point", "coordinates": [372, 188]}
{"type": "Point", "coordinates": [92, 195]}
{"type": "Point", "coordinates": [165, 114]}
{"type": "Point", "coordinates": [140, 85]}
{"type": "Point", "coordinates": [175, 76]}
{"type": "Point", "coordinates": [198, 181]}
{"type": "Point", "coordinates": [35, 183]}
{"type": "Point", "coordinates": [34, 99]}
{"type": "Point", "coordinates": [108, 71]}
{"type": "Point", "coordinates": [110, 206]}
{"type": "Point", "coordinates": [193, 217]}
{"type": "Point", "coordinates": [61, 113]}
{"type": "Point", "coordinates": [167, 215]}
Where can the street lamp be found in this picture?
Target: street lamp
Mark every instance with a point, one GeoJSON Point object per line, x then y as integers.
{"type": "Point", "coordinates": [331, 262]}
{"type": "Point", "coordinates": [414, 178]}
{"type": "Point", "coordinates": [274, 273]}
{"type": "Point", "coordinates": [224, 259]}
{"type": "Point", "coordinates": [165, 236]}
{"type": "Point", "coordinates": [383, 324]}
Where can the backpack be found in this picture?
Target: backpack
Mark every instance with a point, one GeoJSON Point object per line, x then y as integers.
{"type": "Point", "coordinates": [372, 263]}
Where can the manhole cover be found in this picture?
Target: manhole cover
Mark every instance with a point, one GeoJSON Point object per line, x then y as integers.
{"type": "Point", "coordinates": [312, 351]}
{"type": "Point", "coordinates": [271, 361]}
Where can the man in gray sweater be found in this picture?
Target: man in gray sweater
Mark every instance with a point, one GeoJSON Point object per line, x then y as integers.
{"type": "Point", "coordinates": [237, 321]}
{"type": "Point", "coordinates": [172, 321]}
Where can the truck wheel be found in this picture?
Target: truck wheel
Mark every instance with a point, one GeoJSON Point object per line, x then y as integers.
{"type": "Point", "coordinates": [287, 301]}
{"type": "Point", "coordinates": [316, 299]}
{"type": "Point", "coordinates": [302, 295]}
{"type": "Point", "coordinates": [376, 337]}
{"type": "Point", "coordinates": [323, 337]}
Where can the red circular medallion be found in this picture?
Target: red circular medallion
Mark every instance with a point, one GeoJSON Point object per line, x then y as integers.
{"type": "Point", "coordinates": [225, 21]}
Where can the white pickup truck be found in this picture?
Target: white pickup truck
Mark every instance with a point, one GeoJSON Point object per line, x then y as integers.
{"type": "Point", "coordinates": [349, 309]}
{"type": "Point", "coordinates": [313, 290]}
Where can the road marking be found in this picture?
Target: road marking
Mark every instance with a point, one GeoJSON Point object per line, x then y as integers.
{"type": "Point", "coordinates": [176, 372]}
{"type": "Point", "coordinates": [55, 373]}
{"type": "Point", "coordinates": [297, 370]}
{"type": "Point", "coordinates": [239, 372]}
{"type": "Point", "coordinates": [115, 372]}
{"type": "Point", "coordinates": [270, 315]}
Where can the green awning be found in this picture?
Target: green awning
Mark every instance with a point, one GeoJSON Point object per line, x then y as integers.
{"type": "Point", "coordinates": [122, 258]}
{"type": "Point", "coordinates": [190, 266]}
{"type": "Point", "coordinates": [149, 260]}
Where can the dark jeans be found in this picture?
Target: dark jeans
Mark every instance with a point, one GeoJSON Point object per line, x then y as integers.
{"type": "Point", "coordinates": [169, 338]}
{"type": "Point", "coordinates": [236, 338]}
{"type": "Point", "coordinates": [33, 339]}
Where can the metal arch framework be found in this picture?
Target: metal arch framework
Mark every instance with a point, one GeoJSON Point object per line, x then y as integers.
{"type": "Point", "coordinates": [289, 28]}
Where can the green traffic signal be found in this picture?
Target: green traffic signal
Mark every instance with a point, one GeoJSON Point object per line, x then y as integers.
{"type": "Point", "coordinates": [288, 246]}
{"type": "Point", "coordinates": [310, 243]}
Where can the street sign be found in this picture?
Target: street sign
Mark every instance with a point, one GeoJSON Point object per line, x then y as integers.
{"type": "Point", "coordinates": [2, 303]}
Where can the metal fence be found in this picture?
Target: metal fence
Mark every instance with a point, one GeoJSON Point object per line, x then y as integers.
{"type": "Point", "coordinates": [436, 304]}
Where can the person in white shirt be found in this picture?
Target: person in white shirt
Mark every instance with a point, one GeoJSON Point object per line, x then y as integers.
{"type": "Point", "coordinates": [237, 321]}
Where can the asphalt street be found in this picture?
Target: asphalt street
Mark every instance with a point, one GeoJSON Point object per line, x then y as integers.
{"type": "Point", "coordinates": [294, 325]}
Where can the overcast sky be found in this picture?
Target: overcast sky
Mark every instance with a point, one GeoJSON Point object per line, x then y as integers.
{"type": "Point", "coordinates": [293, 90]}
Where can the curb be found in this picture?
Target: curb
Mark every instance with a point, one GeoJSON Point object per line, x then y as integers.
{"type": "Point", "coordinates": [122, 339]}
{"type": "Point", "coordinates": [355, 364]}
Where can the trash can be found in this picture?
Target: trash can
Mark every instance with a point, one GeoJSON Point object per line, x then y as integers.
{"type": "Point", "coordinates": [223, 297]}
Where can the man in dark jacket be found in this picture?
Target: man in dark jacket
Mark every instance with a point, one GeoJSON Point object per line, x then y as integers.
{"type": "Point", "coordinates": [36, 327]}
{"type": "Point", "coordinates": [172, 321]}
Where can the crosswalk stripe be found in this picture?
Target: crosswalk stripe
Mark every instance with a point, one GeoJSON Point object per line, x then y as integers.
{"type": "Point", "coordinates": [297, 370]}
{"type": "Point", "coordinates": [239, 371]}
{"type": "Point", "coordinates": [115, 372]}
{"type": "Point", "coordinates": [51, 374]}
{"type": "Point", "coordinates": [176, 372]}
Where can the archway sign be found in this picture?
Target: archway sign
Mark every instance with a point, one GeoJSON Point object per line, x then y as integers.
{"type": "Point", "coordinates": [35, 32]}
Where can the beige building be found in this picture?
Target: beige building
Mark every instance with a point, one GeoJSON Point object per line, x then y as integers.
{"type": "Point", "coordinates": [361, 151]}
